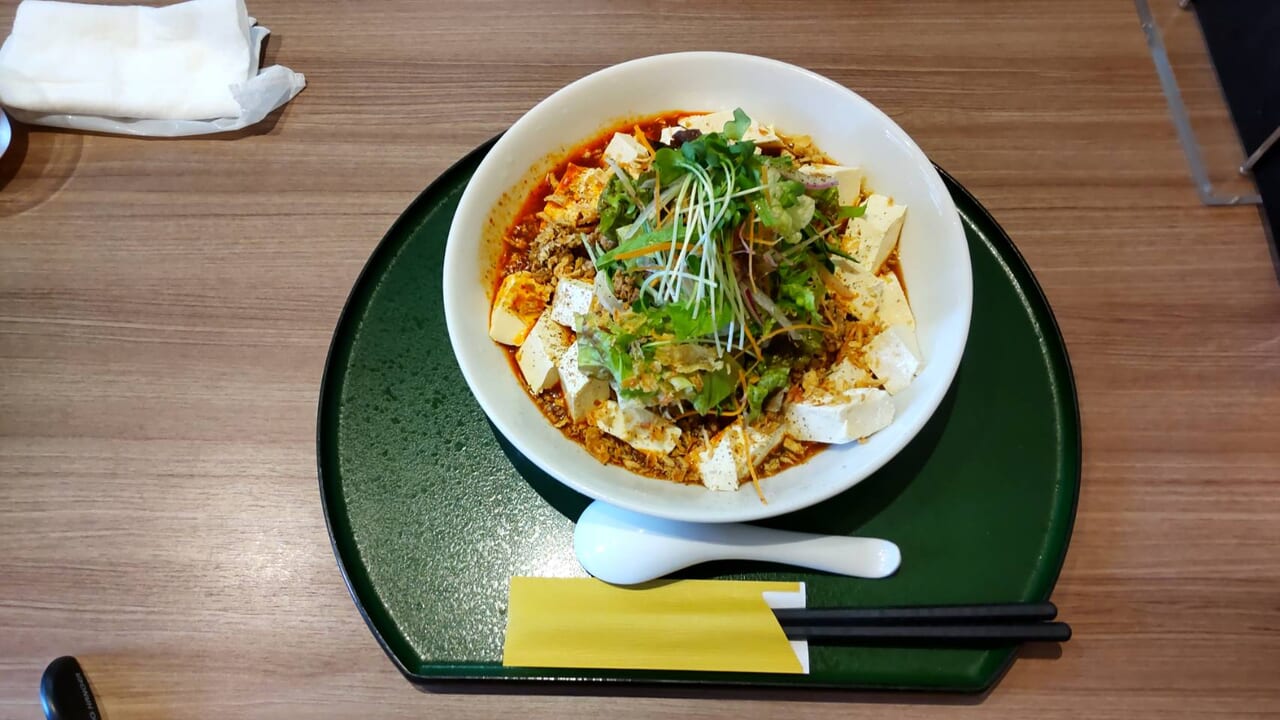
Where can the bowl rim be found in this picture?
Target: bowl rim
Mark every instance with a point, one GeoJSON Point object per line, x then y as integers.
{"type": "Point", "coordinates": [948, 362]}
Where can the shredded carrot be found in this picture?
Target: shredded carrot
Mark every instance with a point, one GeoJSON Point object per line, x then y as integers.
{"type": "Point", "coordinates": [754, 345]}
{"type": "Point", "coordinates": [826, 313]}
{"type": "Point", "coordinates": [642, 251]}
{"type": "Point", "coordinates": [657, 191]}
{"type": "Point", "coordinates": [732, 413]}
{"type": "Point", "coordinates": [751, 466]}
{"type": "Point", "coordinates": [640, 138]}
{"type": "Point", "coordinates": [796, 326]}
{"type": "Point", "coordinates": [727, 413]}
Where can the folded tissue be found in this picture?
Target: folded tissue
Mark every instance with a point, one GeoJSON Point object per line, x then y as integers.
{"type": "Point", "coordinates": [184, 69]}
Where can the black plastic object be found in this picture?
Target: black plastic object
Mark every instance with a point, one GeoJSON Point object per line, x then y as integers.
{"type": "Point", "coordinates": [933, 635]}
{"type": "Point", "coordinates": [927, 626]}
{"type": "Point", "coordinates": [921, 615]}
{"type": "Point", "coordinates": [65, 692]}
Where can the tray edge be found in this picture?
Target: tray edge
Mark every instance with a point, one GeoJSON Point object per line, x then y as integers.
{"type": "Point", "coordinates": [327, 378]}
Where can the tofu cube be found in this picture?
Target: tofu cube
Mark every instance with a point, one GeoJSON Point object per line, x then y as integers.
{"type": "Point", "coordinates": [724, 463]}
{"type": "Point", "coordinates": [845, 376]}
{"type": "Point", "coordinates": [629, 153]}
{"type": "Point", "coordinates": [576, 197]}
{"type": "Point", "coordinates": [894, 356]}
{"type": "Point", "coordinates": [871, 238]}
{"type": "Point", "coordinates": [861, 291]}
{"type": "Point", "coordinates": [894, 308]}
{"type": "Point", "coordinates": [538, 356]}
{"type": "Point", "coordinates": [636, 426]}
{"type": "Point", "coordinates": [707, 122]}
{"type": "Point", "coordinates": [582, 393]}
{"type": "Point", "coordinates": [572, 298]}
{"type": "Point", "coordinates": [851, 415]}
{"type": "Point", "coordinates": [762, 135]}
{"type": "Point", "coordinates": [849, 180]}
{"type": "Point", "coordinates": [516, 307]}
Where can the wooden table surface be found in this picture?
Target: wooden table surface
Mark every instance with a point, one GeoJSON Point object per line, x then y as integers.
{"type": "Point", "coordinates": [166, 306]}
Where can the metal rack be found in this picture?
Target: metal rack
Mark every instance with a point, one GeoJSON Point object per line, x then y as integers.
{"type": "Point", "coordinates": [1182, 120]}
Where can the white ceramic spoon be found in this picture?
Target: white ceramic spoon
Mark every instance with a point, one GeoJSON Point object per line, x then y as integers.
{"type": "Point", "coordinates": [625, 548]}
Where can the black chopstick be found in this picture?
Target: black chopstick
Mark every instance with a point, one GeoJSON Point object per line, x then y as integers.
{"type": "Point", "coordinates": [921, 615]}
{"type": "Point", "coordinates": [934, 634]}
{"type": "Point", "coordinates": [932, 625]}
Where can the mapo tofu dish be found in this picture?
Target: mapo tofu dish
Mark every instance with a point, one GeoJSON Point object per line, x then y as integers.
{"type": "Point", "coordinates": [700, 298]}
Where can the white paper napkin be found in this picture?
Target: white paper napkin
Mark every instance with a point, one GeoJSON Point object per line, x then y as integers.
{"type": "Point", "coordinates": [185, 69]}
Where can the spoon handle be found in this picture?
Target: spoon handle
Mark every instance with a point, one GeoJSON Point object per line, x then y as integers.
{"type": "Point", "coordinates": [625, 548]}
{"type": "Point", "coordinates": [854, 556]}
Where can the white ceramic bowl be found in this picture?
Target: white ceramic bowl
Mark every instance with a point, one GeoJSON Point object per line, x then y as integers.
{"type": "Point", "coordinates": [934, 257]}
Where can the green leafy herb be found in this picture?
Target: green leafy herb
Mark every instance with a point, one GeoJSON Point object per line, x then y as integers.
{"type": "Point", "coordinates": [665, 164]}
{"type": "Point", "coordinates": [772, 379]}
{"type": "Point", "coordinates": [851, 211]}
{"type": "Point", "coordinates": [615, 206]}
{"type": "Point", "coordinates": [737, 127]}
{"type": "Point", "coordinates": [599, 355]}
{"type": "Point", "coordinates": [716, 387]}
{"type": "Point", "coordinates": [684, 324]}
{"type": "Point", "coordinates": [697, 240]}
{"type": "Point", "coordinates": [789, 191]}
{"type": "Point", "coordinates": [799, 290]}
{"type": "Point", "coordinates": [831, 250]}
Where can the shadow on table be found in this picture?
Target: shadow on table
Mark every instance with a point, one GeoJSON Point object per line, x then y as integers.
{"type": "Point", "coordinates": [32, 174]}
{"type": "Point", "coordinates": [1032, 652]}
{"type": "Point", "coordinates": [627, 689]}
{"type": "Point", "coordinates": [30, 177]}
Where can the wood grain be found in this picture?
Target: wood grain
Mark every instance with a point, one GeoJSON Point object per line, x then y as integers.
{"type": "Point", "coordinates": [165, 308]}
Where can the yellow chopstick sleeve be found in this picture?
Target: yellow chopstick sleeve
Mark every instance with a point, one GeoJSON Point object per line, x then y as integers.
{"type": "Point", "coordinates": [708, 625]}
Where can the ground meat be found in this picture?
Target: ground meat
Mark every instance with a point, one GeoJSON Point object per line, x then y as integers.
{"type": "Point", "coordinates": [677, 466]}
{"type": "Point", "coordinates": [625, 289]}
{"type": "Point", "coordinates": [551, 241]}
{"type": "Point", "coordinates": [803, 149]}
{"type": "Point", "coordinates": [809, 381]}
{"type": "Point", "coordinates": [832, 342]}
{"type": "Point", "coordinates": [524, 233]}
{"type": "Point", "coordinates": [576, 267]}
{"type": "Point", "coordinates": [600, 445]}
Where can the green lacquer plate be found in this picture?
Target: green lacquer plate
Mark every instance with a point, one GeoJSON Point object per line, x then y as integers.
{"type": "Point", "coordinates": [430, 512]}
